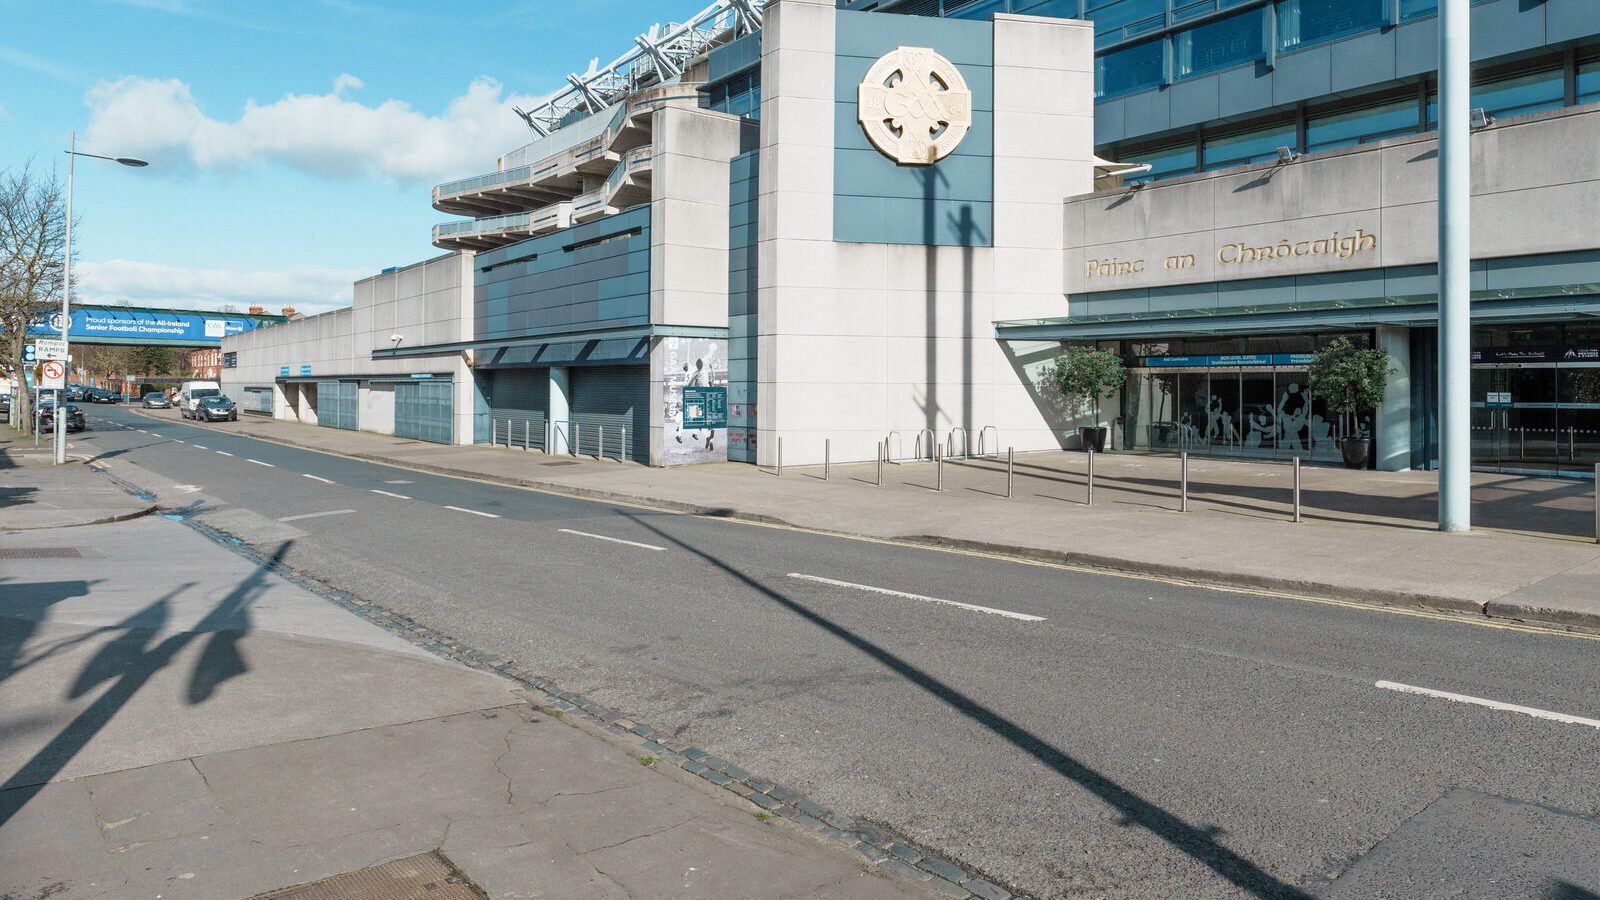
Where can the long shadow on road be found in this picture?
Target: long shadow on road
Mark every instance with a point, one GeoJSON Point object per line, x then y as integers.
{"type": "Point", "coordinates": [1196, 842]}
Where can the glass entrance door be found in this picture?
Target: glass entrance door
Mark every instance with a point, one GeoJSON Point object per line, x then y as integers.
{"type": "Point", "coordinates": [1516, 419]}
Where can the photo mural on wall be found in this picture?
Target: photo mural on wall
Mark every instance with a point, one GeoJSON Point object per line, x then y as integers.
{"type": "Point", "coordinates": [694, 389]}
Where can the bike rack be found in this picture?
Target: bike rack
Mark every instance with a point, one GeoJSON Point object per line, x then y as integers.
{"type": "Point", "coordinates": [920, 448]}
{"type": "Point", "coordinates": [983, 444]}
{"type": "Point", "coordinates": [950, 443]}
{"type": "Point", "coordinates": [888, 453]}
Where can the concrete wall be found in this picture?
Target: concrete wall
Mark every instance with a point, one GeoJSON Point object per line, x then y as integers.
{"type": "Point", "coordinates": [426, 303]}
{"type": "Point", "coordinates": [857, 340]}
{"type": "Point", "coordinates": [1351, 209]}
{"type": "Point", "coordinates": [688, 238]}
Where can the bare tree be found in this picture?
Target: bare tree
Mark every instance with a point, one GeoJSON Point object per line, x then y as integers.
{"type": "Point", "coordinates": [33, 228]}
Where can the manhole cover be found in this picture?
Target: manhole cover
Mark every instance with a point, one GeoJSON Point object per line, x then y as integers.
{"type": "Point", "coordinates": [561, 462]}
{"type": "Point", "coordinates": [40, 553]}
{"type": "Point", "coordinates": [424, 877]}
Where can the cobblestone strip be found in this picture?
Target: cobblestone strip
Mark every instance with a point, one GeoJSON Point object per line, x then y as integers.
{"type": "Point", "coordinates": [879, 847]}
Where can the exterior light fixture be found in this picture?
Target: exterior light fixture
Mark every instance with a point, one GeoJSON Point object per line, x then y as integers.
{"type": "Point", "coordinates": [1286, 156]}
{"type": "Point", "coordinates": [1480, 119]}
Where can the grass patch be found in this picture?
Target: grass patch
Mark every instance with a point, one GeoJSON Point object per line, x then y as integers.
{"type": "Point", "coordinates": [764, 816]}
{"type": "Point", "coordinates": [649, 760]}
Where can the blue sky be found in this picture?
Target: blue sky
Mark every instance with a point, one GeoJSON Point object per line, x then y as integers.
{"type": "Point", "coordinates": [293, 143]}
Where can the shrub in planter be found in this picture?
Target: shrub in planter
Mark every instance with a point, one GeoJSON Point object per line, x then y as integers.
{"type": "Point", "coordinates": [1350, 379]}
{"type": "Point", "coordinates": [1081, 377]}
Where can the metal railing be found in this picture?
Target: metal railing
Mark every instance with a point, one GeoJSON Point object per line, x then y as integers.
{"type": "Point", "coordinates": [479, 182]}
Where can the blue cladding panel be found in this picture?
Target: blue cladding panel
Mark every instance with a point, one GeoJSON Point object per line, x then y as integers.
{"type": "Point", "coordinates": [743, 322]}
{"type": "Point", "coordinates": [878, 201]}
{"type": "Point", "coordinates": [547, 284]}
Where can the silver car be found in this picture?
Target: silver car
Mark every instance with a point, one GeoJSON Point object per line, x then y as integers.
{"type": "Point", "coordinates": [157, 400]}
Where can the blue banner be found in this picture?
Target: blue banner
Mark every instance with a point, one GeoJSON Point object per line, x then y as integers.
{"type": "Point", "coordinates": [1231, 359]}
{"type": "Point", "coordinates": [195, 329]}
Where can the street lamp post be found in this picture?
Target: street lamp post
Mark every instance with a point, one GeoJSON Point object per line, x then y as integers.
{"type": "Point", "coordinates": [66, 286]}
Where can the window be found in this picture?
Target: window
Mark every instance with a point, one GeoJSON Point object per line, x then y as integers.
{"type": "Point", "coordinates": [1116, 20]}
{"type": "Point", "coordinates": [1058, 9]}
{"type": "Point", "coordinates": [1510, 95]}
{"type": "Point", "coordinates": [230, 360]}
{"type": "Point", "coordinates": [1166, 162]}
{"type": "Point", "coordinates": [1249, 146]}
{"type": "Point", "coordinates": [983, 10]}
{"type": "Point", "coordinates": [1416, 9]}
{"type": "Point", "coordinates": [1220, 44]}
{"type": "Point", "coordinates": [1362, 125]}
{"type": "Point", "coordinates": [1302, 23]}
{"type": "Point", "coordinates": [1589, 82]}
{"type": "Point", "coordinates": [1134, 69]}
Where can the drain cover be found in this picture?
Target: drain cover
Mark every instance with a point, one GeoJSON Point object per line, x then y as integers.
{"type": "Point", "coordinates": [424, 877]}
{"type": "Point", "coordinates": [40, 553]}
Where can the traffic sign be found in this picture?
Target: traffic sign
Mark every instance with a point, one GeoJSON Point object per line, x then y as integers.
{"type": "Point", "coordinates": [48, 348]}
{"type": "Point", "coordinates": [52, 375]}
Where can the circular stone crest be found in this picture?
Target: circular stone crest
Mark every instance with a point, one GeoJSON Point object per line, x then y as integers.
{"type": "Point", "coordinates": [914, 106]}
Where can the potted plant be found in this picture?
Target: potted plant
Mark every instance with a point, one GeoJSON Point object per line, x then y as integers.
{"type": "Point", "coordinates": [1350, 379]}
{"type": "Point", "coordinates": [1081, 376]}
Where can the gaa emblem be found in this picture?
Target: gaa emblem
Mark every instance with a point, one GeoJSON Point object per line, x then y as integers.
{"type": "Point", "coordinates": [914, 106]}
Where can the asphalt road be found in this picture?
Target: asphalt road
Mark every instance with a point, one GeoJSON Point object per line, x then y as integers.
{"type": "Point", "coordinates": [1089, 735]}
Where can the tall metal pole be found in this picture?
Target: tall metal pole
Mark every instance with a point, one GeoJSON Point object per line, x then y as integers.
{"type": "Point", "coordinates": [1455, 249]}
{"type": "Point", "coordinates": [66, 310]}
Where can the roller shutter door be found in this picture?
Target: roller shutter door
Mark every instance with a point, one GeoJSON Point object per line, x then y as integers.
{"type": "Point", "coordinates": [522, 397]}
{"type": "Point", "coordinates": [422, 410]}
{"type": "Point", "coordinates": [336, 404]}
{"type": "Point", "coordinates": [616, 398]}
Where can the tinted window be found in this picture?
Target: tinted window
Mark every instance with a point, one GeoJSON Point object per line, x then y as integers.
{"type": "Point", "coordinates": [1250, 146]}
{"type": "Point", "coordinates": [1302, 23]}
{"type": "Point", "coordinates": [1220, 44]}
{"type": "Point", "coordinates": [1362, 125]}
{"type": "Point", "coordinates": [1133, 69]}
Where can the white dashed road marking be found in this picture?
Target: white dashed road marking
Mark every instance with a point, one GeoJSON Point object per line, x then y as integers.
{"type": "Point", "coordinates": [316, 478]}
{"type": "Point", "coordinates": [260, 463]}
{"type": "Point", "coordinates": [316, 515]}
{"type": "Point", "coordinates": [389, 494]}
{"type": "Point", "coordinates": [473, 511]}
{"type": "Point", "coordinates": [1491, 704]}
{"type": "Point", "coordinates": [224, 453]}
{"type": "Point", "coordinates": [878, 590]}
{"type": "Point", "coordinates": [601, 537]}
{"type": "Point", "coordinates": [202, 447]}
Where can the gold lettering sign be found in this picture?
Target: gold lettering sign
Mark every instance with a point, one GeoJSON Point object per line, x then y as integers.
{"type": "Point", "coordinates": [914, 106]}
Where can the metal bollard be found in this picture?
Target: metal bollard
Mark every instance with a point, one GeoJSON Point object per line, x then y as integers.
{"type": "Point", "coordinates": [1297, 489]}
{"type": "Point", "coordinates": [827, 458]}
{"type": "Point", "coordinates": [622, 452]}
{"type": "Point", "coordinates": [577, 438]}
{"type": "Point", "coordinates": [601, 453]}
{"type": "Point", "coordinates": [1183, 488]}
{"type": "Point", "coordinates": [880, 464]}
{"type": "Point", "coordinates": [938, 465]}
{"type": "Point", "coordinates": [1011, 458]}
{"type": "Point", "coordinates": [780, 457]}
{"type": "Point", "coordinates": [547, 426]}
{"type": "Point", "coordinates": [526, 427]}
{"type": "Point", "coordinates": [1090, 479]}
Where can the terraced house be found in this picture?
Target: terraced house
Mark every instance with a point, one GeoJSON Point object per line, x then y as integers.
{"type": "Point", "coordinates": [863, 224]}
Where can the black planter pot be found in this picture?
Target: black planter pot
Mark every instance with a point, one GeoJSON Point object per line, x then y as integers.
{"type": "Point", "coordinates": [1356, 451]}
{"type": "Point", "coordinates": [1093, 437]}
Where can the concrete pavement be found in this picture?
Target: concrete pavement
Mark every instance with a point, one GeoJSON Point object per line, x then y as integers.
{"type": "Point", "coordinates": [1366, 536]}
{"type": "Point", "coordinates": [176, 721]}
{"type": "Point", "coordinates": [36, 493]}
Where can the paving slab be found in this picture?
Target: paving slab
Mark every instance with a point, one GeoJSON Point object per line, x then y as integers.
{"type": "Point", "coordinates": [37, 493]}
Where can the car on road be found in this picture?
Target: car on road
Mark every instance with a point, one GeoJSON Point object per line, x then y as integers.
{"type": "Point", "coordinates": [101, 395]}
{"type": "Point", "coordinates": [157, 400]}
{"type": "Point", "coordinates": [192, 393]}
{"type": "Point", "coordinates": [216, 409]}
{"type": "Point", "coordinates": [75, 420]}
{"type": "Point", "coordinates": [76, 392]}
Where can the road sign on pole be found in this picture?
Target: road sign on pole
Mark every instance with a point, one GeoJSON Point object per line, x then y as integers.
{"type": "Point", "coordinates": [52, 375]}
{"type": "Point", "coordinates": [50, 348]}
{"type": "Point", "coordinates": [30, 355]}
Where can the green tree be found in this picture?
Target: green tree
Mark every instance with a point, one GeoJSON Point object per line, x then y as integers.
{"type": "Point", "coordinates": [1349, 378]}
{"type": "Point", "coordinates": [1083, 376]}
{"type": "Point", "coordinates": [33, 226]}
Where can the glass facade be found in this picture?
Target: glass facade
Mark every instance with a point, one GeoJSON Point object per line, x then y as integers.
{"type": "Point", "coordinates": [1132, 69]}
{"type": "Point", "coordinates": [1220, 44]}
{"type": "Point", "coordinates": [1303, 23]}
{"type": "Point", "coordinates": [1588, 82]}
{"type": "Point", "coordinates": [739, 95]}
{"type": "Point", "coordinates": [1512, 95]}
{"type": "Point", "coordinates": [1359, 126]}
{"type": "Point", "coordinates": [1536, 398]}
{"type": "Point", "coordinates": [1249, 146]}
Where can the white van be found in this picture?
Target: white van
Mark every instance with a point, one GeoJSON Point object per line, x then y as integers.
{"type": "Point", "coordinates": [190, 393]}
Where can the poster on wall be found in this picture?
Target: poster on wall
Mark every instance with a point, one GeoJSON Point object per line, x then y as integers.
{"type": "Point", "coordinates": [694, 387]}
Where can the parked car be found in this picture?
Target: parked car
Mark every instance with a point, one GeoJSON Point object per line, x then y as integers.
{"type": "Point", "coordinates": [5, 408]}
{"type": "Point", "coordinates": [76, 392]}
{"type": "Point", "coordinates": [216, 409]}
{"type": "Point", "coordinates": [75, 420]}
{"type": "Point", "coordinates": [192, 392]}
{"type": "Point", "coordinates": [157, 400]}
{"type": "Point", "coordinates": [101, 395]}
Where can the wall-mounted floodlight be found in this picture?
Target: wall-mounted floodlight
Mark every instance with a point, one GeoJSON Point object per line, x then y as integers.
{"type": "Point", "coordinates": [1286, 156]}
{"type": "Point", "coordinates": [1479, 118]}
{"type": "Point", "coordinates": [397, 339]}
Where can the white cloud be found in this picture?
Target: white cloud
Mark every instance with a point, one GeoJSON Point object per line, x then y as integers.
{"type": "Point", "coordinates": [329, 135]}
{"type": "Point", "coordinates": [309, 289]}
